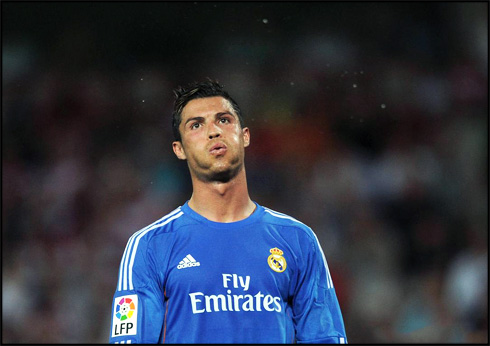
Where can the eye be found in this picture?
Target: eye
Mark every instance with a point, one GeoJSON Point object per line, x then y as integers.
{"type": "Point", "coordinates": [224, 120]}
{"type": "Point", "coordinates": [195, 125]}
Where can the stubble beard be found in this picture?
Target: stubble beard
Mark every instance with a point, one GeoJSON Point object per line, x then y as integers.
{"type": "Point", "coordinates": [209, 173]}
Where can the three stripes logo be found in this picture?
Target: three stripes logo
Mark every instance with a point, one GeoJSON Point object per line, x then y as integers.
{"type": "Point", "coordinates": [188, 262]}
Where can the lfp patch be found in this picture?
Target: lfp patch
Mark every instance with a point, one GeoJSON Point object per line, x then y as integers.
{"type": "Point", "coordinates": [125, 318]}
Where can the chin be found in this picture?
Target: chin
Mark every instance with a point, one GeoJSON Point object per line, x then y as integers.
{"type": "Point", "coordinates": [222, 177]}
{"type": "Point", "coordinates": [224, 174]}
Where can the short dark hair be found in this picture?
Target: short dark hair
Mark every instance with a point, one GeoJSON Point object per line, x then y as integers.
{"type": "Point", "coordinates": [195, 90]}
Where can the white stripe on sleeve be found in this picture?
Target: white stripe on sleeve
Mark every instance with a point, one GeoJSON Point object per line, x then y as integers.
{"type": "Point", "coordinates": [283, 216]}
{"type": "Point", "coordinates": [123, 269]}
{"type": "Point", "coordinates": [133, 255]}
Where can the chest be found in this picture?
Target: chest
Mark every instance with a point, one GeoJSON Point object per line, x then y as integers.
{"type": "Point", "coordinates": [243, 262]}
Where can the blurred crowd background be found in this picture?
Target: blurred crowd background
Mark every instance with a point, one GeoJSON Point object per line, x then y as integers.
{"type": "Point", "coordinates": [369, 123]}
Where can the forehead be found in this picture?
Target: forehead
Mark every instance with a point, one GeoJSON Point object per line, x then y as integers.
{"type": "Point", "coordinates": [207, 106]}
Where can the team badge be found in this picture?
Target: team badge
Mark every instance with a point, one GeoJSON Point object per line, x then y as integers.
{"type": "Point", "coordinates": [276, 261]}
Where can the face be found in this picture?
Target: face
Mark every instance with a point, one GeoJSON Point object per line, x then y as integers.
{"type": "Point", "coordinates": [213, 143]}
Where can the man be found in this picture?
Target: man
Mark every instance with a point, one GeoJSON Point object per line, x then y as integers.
{"type": "Point", "coordinates": [221, 268]}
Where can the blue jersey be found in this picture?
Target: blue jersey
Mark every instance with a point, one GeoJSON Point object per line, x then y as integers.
{"type": "Point", "coordinates": [264, 279]}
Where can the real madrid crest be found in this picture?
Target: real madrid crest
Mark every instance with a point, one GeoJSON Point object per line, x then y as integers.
{"type": "Point", "coordinates": [276, 261]}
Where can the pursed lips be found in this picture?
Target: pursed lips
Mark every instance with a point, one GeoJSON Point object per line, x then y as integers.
{"type": "Point", "coordinates": [217, 149]}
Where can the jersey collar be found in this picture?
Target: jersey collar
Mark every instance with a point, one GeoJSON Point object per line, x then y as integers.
{"type": "Point", "coordinates": [224, 225]}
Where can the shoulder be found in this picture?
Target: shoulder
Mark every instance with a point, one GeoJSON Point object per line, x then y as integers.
{"type": "Point", "coordinates": [276, 217]}
{"type": "Point", "coordinates": [136, 253]}
{"type": "Point", "coordinates": [289, 222]}
{"type": "Point", "coordinates": [165, 225]}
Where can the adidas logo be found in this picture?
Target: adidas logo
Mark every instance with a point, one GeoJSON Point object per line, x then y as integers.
{"type": "Point", "coordinates": [187, 262]}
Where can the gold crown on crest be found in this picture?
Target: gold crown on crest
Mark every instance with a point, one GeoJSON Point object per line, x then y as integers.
{"type": "Point", "coordinates": [276, 251]}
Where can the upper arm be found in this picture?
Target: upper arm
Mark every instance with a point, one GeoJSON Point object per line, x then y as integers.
{"type": "Point", "coordinates": [316, 311]}
{"type": "Point", "coordinates": [138, 303]}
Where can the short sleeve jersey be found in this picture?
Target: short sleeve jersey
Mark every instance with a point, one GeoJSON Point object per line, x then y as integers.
{"type": "Point", "coordinates": [186, 279]}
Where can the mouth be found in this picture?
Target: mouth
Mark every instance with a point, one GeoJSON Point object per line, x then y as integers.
{"type": "Point", "coordinates": [218, 149]}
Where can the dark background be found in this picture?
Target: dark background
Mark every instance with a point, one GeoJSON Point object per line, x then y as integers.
{"type": "Point", "coordinates": [369, 123]}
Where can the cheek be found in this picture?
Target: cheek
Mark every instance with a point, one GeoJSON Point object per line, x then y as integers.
{"type": "Point", "coordinates": [238, 139]}
{"type": "Point", "coordinates": [237, 135]}
{"type": "Point", "coordinates": [193, 138]}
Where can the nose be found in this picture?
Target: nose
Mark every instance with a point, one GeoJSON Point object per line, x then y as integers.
{"type": "Point", "coordinates": [214, 131]}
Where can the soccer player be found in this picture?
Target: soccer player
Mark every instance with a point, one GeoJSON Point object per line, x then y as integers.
{"type": "Point", "coordinates": [221, 268]}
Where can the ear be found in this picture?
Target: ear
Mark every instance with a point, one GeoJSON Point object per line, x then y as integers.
{"type": "Point", "coordinates": [246, 136]}
{"type": "Point", "coordinates": [179, 150]}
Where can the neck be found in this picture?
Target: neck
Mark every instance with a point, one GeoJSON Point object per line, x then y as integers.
{"type": "Point", "coordinates": [222, 201]}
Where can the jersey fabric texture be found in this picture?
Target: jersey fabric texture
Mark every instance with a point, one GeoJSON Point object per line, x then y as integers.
{"type": "Point", "coordinates": [186, 279]}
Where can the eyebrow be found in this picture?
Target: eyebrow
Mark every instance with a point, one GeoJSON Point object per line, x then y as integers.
{"type": "Point", "coordinates": [202, 118]}
{"type": "Point", "coordinates": [194, 118]}
{"type": "Point", "coordinates": [223, 113]}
